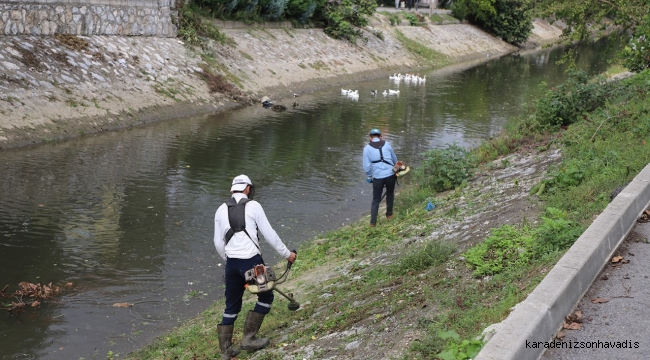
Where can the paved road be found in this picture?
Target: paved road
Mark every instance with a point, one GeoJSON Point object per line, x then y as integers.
{"type": "Point", "coordinates": [625, 317]}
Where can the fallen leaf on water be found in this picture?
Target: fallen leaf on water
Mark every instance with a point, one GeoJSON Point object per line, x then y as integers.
{"type": "Point", "coordinates": [599, 301]}
{"type": "Point", "coordinates": [571, 326]}
{"type": "Point", "coordinates": [122, 305]}
{"type": "Point", "coordinates": [616, 259]}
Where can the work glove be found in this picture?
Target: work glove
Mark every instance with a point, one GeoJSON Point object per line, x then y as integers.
{"type": "Point", "coordinates": [369, 180]}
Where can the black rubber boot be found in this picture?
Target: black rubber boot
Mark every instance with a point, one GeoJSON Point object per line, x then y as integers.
{"type": "Point", "coordinates": [225, 342]}
{"type": "Point", "coordinates": [252, 325]}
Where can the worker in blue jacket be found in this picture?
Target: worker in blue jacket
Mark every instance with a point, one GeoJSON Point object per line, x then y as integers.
{"type": "Point", "coordinates": [378, 162]}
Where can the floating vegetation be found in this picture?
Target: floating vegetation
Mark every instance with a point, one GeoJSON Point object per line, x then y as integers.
{"type": "Point", "coordinates": [28, 295]}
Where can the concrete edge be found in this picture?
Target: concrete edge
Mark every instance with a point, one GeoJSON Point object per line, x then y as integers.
{"type": "Point", "coordinates": [538, 318]}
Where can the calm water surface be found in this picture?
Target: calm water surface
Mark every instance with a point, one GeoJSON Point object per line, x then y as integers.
{"type": "Point", "coordinates": [128, 216]}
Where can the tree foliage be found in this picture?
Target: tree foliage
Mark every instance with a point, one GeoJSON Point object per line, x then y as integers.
{"type": "Point", "coordinates": [588, 18]}
{"type": "Point", "coordinates": [344, 18]}
{"type": "Point", "coordinates": [511, 20]}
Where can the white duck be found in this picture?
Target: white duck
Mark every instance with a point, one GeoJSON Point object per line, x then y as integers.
{"type": "Point", "coordinates": [345, 92]}
{"type": "Point", "coordinates": [393, 92]}
{"type": "Point", "coordinates": [385, 93]}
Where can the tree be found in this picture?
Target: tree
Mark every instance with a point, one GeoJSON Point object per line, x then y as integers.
{"type": "Point", "coordinates": [511, 20]}
{"type": "Point", "coordinates": [588, 18]}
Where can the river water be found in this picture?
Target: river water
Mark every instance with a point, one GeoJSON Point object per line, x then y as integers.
{"type": "Point", "coordinates": [127, 217]}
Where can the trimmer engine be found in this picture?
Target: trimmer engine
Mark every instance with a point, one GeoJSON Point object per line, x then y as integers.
{"type": "Point", "coordinates": [261, 276]}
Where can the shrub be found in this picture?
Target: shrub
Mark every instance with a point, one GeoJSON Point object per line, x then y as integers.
{"type": "Point", "coordinates": [345, 17]}
{"type": "Point", "coordinates": [191, 27]}
{"type": "Point", "coordinates": [556, 181]}
{"type": "Point", "coordinates": [444, 169]}
{"type": "Point", "coordinates": [272, 9]}
{"type": "Point", "coordinates": [563, 105]}
{"type": "Point", "coordinates": [302, 10]}
{"type": "Point", "coordinates": [411, 18]}
{"type": "Point", "coordinates": [511, 20]}
{"type": "Point", "coordinates": [556, 232]}
{"type": "Point", "coordinates": [504, 247]}
{"type": "Point", "coordinates": [636, 56]}
{"type": "Point", "coordinates": [457, 349]}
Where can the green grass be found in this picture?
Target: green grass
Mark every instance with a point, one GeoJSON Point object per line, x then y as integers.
{"type": "Point", "coordinates": [428, 55]}
{"type": "Point", "coordinates": [246, 55]}
{"type": "Point", "coordinates": [319, 65]}
{"type": "Point", "coordinates": [443, 18]}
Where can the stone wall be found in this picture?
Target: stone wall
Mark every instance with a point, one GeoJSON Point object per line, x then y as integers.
{"type": "Point", "coordinates": [88, 17]}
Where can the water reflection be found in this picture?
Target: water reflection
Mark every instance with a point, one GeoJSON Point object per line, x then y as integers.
{"type": "Point", "coordinates": [127, 217]}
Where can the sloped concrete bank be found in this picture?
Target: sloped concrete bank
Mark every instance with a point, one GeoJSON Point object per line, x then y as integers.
{"type": "Point", "coordinates": [59, 87]}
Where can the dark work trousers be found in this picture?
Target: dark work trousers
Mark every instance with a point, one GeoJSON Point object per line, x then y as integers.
{"type": "Point", "coordinates": [235, 281]}
{"type": "Point", "coordinates": [377, 189]}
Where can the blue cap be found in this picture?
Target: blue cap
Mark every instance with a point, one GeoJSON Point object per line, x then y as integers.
{"type": "Point", "coordinates": [374, 131]}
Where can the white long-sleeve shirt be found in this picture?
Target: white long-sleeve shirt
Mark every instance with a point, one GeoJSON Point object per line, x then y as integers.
{"type": "Point", "coordinates": [240, 245]}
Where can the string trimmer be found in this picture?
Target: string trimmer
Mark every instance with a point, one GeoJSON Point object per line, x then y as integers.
{"type": "Point", "coordinates": [262, 278]}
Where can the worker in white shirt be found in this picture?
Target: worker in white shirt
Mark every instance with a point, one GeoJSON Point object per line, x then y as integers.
{"type": "Point", "coordinates": [236, 224]}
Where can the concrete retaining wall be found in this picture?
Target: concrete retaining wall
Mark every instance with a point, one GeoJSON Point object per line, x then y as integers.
{"type": "Point", "coordinates": [540, 316]}
{"type": "Point", "coordinates": [87, 17]}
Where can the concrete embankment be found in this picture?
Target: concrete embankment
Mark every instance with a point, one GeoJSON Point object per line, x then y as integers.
{"type": "Point", "coordinates": [54, 88]}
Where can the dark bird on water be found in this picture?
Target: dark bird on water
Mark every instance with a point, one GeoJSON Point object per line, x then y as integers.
{"type": "Point", "coordinates": [278, 108]}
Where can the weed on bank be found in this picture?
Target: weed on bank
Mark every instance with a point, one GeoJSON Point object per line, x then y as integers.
{"type": "Point", "coordinates": [364, 275]}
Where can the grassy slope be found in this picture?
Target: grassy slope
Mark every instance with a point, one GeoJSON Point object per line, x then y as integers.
{"type": "Point", "coordinates": [368, 279]}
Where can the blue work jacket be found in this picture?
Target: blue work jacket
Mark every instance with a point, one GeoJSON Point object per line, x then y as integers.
{"type": "Point", "coordinates": [379, 170]}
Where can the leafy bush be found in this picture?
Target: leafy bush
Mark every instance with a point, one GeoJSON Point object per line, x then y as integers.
{"type": "Point", "coordinates": [504, 247]}
{"type": "Point", "coordinates": [345, 17]}
{"type": "Point", "coordinates": [302, 10]}
{"type": "Point", "coordinates": [578, 95]}
{"type": "Point", "coordinates": [636, 56]}
{"type": "Point", "coordinates": [411, 18]}
{"type": "Point", "coordinates": [456, 349]}
{"type": "Point", "coordinates": [571, 176]}
{"type": "Point", "coordinates": [444, 169]}
{"type": "Point", "coordinates": [556, 232]}
{"type": "Point", "coordinates": [191, 27]}
{"type": "Point", "coordinates": [511, 20]}
{"type": "Point", "coordinates": [272, 9]}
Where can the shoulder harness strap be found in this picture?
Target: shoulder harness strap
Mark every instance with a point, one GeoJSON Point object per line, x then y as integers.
{"type": "Point", "coordinates": [237, 219]}
{"type": "Point", "coordinates": [378, 145]}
